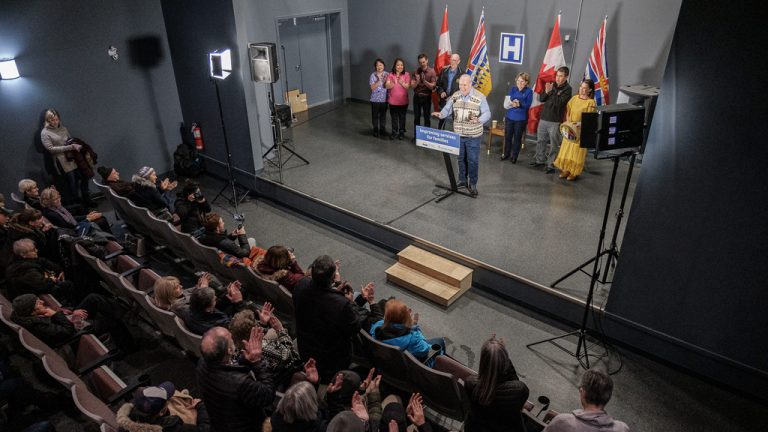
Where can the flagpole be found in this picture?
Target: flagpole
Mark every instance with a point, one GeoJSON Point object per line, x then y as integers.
{"type": "Point", "coordinates": [576, 36]}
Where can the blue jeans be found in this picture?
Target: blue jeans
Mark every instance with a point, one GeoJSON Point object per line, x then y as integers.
{"type": "Point", "coordinates": [469, 155]}
{"type": "Point", "coordinates": [513, 137]}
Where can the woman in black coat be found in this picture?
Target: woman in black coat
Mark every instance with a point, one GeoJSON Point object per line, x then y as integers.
{"type": "Point", "coordinates": [496, 395]}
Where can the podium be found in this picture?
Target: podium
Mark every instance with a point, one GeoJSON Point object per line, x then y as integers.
{"type": "Point", "coordinates": [447, 143]}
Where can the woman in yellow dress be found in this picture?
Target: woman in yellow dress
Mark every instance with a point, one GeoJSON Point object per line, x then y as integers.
{"type": "Point", "coordinates": [571, 157]}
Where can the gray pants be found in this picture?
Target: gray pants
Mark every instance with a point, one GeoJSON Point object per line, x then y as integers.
{"type": "Point", "coordinates": [548, 140]}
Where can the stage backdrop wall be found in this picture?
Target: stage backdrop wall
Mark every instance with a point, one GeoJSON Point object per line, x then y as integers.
{"type": "Point", "coordinates": [128, 109]}
{"type": "Point", "coordinates": [693, 261]}
{"type": "Point", "coordinates": [638, 37]}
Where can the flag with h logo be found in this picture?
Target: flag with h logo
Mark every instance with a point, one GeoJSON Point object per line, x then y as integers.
{"type": "Point", "coordinates": [479, 68]}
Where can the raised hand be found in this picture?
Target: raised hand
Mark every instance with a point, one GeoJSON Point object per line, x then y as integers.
{"type": "Point", "coordinates": [367, 380]}
{"type": "Point", "coordinates": [373, 387]}
{"type": "Point", "coordinates": [358, 407]}
{"type": "Point", "coordinates": [233, 292]}
{"type": "Point", "coordinates": [204, 281]}
{"type": "Point", "coordinates": [336, 384]}
{"type": "Point", "coordinates": [369, 292]}
{"type": "Point", "coordinates": [310, 370]}
{"type": "Point", "coordinates": [415, 410]}
{"type": "Point", "coordinates": [80, 313]}
{"type": "Point", "coordinates": [265, 313]}
{"type": "Point", "coordinates": [276, 324]}
{"type": "Point", "coordinates": [252, 350]}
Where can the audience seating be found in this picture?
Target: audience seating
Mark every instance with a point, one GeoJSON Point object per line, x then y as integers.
{"type": "Point", "coordinates": [5, 314]}
{"type": "Point", "coordinates": [165, 320]}
{"type": "Point", "coordinates": [20, 202]}
{"type": "Point", "coordinates": [92, 407]}
{"type": "Point", "coordinates": [189, 341]}
{"type": "Point", "coordinates": [390, 362]}
{"type": "Point", "coordinates": [441, 391]}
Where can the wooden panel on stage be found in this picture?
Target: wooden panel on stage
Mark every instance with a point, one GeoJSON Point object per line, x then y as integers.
{"type": "Point", "coordinates": [429, 275]}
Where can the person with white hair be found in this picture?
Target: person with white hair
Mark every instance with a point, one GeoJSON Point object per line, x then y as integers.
{"type": "Point", "coordinates": [470, 111]}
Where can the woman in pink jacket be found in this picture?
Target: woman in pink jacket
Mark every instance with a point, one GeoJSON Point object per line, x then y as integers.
{"type": "Point", "coordinates": [397, 97]}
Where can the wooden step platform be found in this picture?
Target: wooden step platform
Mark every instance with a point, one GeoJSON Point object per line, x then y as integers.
{"type": "Point", "coordinates": [434, 277]}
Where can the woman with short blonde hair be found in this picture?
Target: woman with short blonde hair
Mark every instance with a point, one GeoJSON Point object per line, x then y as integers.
{"type": "Point", "coordinates": [54, 137]}
{"type": "Point", "coordinates": [517, 103]}
{"type": "Point", "coordinates": [166, 291]}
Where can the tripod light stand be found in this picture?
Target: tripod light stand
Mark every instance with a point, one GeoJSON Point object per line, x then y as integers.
{"type": "Point", "coordinates": [221, 68]}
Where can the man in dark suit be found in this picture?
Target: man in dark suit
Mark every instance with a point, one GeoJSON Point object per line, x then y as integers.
{"type": "Point", "coordinates": [448, 83]}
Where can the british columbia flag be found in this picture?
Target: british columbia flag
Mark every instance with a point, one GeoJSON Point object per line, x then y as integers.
{"type": "Point", "coordinates": [597, 68]}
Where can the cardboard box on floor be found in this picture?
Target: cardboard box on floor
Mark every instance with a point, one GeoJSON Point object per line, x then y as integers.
{"type": "Point", "coordinates": [297, 101]}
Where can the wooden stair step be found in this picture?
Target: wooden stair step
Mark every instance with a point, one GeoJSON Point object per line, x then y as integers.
{"type": "Point", "coordinates": [424, 285]}
{"type": "Point", "coordinates": [436, 266]}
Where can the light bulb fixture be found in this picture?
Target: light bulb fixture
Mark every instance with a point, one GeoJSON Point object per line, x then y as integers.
{"type": "Point", "coordinates": [220, 64]}
{"type": "Point", "coordinates": [112, 52]}
{"type": "Point", "coordinates": [8, 69]}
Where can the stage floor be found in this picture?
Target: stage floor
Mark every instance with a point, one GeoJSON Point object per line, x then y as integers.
{"type": "Point", "coordinates": [529, 223]}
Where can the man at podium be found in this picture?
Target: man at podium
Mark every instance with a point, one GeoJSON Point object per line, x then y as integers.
{"type": "Point", "coordinates": [470, 111]}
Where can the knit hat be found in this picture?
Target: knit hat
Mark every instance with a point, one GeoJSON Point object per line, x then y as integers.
{"type": "Point", "coordinates": [104, 171]}
{"type": "Point", "coordinates": [393, 411]}
{"type": "Point", "coordinates": [24, 304]}
{"type": "Point", "coordinates": [152, 400]}
{"type": "Point", "coordinates": [146, 171]}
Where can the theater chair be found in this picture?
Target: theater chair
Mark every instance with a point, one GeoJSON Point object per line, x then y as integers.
{"type": "Point", "coordinates": [189, 341]}
{"type": "Point", "coordinates": [441, 391]}
{"type": "Point", "coordinates": [93, 408]}
{"type": "Point", "coordinates": [268, 291]}
{"type": "Point", "coordinates": [113, 250]}
{"type": "Point", "coordinates": [390, 362]}
{"type": "Point", "coordinates": [20, 202]}
{"type": "Point", "coordinates": [6, 308]}
{"type": "Point", "coordinates": [163, 319]}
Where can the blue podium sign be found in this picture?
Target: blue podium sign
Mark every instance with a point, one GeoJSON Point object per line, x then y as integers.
{"type": "Point", "coordinates": [436, 139]}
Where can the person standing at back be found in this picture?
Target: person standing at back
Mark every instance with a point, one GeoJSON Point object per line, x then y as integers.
{"type": "Point", "coordinates": [554, 97]}
{"type": "Point", "coordinates": [423, 81]}
{"type": "Point", "coordinates": [325, 320]}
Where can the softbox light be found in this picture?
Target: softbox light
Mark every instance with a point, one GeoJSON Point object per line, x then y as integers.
{"type": "Point", "coordinates": [220, 64]}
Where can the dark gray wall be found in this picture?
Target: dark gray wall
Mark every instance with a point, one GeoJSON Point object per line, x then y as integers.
{"type": "Point", "coordinates": [129, 113]}
{"type": "Point", "coordinates": [694, 255]}
{"type": "Point", "coordinates": [196, 28]}
{"type": "Point", "coordinates": [638, 37]}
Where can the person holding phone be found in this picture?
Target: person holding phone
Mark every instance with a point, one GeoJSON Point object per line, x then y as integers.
{"type": "Point", "coordinates": [517, 103]}
{"type": "Point", "coordinates": [235, 243]}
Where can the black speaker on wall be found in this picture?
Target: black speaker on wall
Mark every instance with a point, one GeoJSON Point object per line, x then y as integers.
{"type": "Point", "coordinates": [263, 58]}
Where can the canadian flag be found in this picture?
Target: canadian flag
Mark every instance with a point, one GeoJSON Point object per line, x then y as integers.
{"type": "Point", "coordinates": [553, 60]}
{"type": "Point", "coordinates": [443, 57]}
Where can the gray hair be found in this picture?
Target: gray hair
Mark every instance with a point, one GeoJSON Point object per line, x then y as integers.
{"type": "Point", "coordinates": [26, 185]}
{"type": "Point", "coordinates": [597, 386]}
{"type": "Point", "coordinates": [23, 246]}
{"type": "Point", "coordinates": [299, 403]}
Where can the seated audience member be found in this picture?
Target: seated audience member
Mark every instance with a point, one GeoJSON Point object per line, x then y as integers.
{"type": "Point", "coordinates": [279, 264]}
{"type": "Point", "coordinates": [298, 410]}
{"type": "Point", "coordinates": [168, 293]}
{"type": "Point", "coordinates": [278, 351]}
{"type": "Point", "coordinates": [149, 411]}
{"type": "Point", "coordinates": [94, 224]}
{"type": "Point", "coordinates": [30, 193]}
{"type": "Point", "coordinates": [30, 274]}
{"type": "Point", "coordinates": [235, 394]}
{"type": "Point", "coordinates": [346, 389]}
{"type": "Point", "coordinates": [191, 207]}
{"type": "Point", "coordinates": [148, 194]}
{"type": "Point", "coordinates": [6, 245]}
{"type": "Point", "coordinates": [396, 417]}
{"type": "Point", "coordinates": [29, 224]}
{"type": "Point", "coordinates": [203, 313]}
{"type": "Point", "coordinates": [216, 236]}
{"type": "Point", "coordinates": [366, 296]}
{"type": "Point", "coordinates": [496, 395]}
{"type": "Point", "coordinates": [401, 329]}
{"type": "Point", "coordinates": [111, 178]}
{"type": "Point", "coordinates": [594, 392]}
{"type": "Point", "coordinates": [55, 327]}
{"type": "Point", "coordinates": [325, 320]}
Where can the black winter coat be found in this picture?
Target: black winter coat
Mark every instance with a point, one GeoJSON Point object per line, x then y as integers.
{"type": "Point", "coordinates": [52, 330]}
{"type": "Point", "coordinates": [30, 276]}
{"type": "Point", "coordinates": [191, 214]}
{"type": "Point", "coordinates": [235, 395]}
{"type": "Point", "coordinates": [325, 324]}
{"type": "Point", "coordinates": [226, 243]}
{"type": "Point", "coordinates": [504, 413]}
